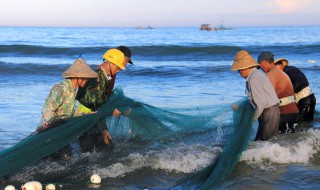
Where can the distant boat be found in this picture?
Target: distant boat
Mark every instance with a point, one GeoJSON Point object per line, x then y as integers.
{"type": "Point", "coordinates": [221, 27]}
{"type": "Point", "coordinates": [148, 27]}
{"type": "Point", "coordinates": [207, 27]}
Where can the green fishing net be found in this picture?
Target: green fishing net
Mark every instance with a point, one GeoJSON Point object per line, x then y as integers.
{"type": "Point", "coordinates": [223, 165]}
{"type": "Point", "coordinates": [146, 123]}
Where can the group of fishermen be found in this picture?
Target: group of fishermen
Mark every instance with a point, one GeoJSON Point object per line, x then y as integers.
{"type": "Point", "coordinates": [90, 89]}
{"type": "Point", "coordinates": [281, 98]}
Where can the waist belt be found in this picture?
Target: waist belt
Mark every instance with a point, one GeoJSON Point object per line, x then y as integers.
{"type": "Point", "coordinates": [286, 100]}
{"type": "Point", "coordinates": [303, 93]}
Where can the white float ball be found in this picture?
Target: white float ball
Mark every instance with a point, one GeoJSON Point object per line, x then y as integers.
{"type": "Point", "coordinates": [95, 179]}
{"type": "Point", "coordinates": [10, 187]}
{"type": "Point", "coordinates": [32, 185]}
{"type": "Point", "coordinates": [50, 187]}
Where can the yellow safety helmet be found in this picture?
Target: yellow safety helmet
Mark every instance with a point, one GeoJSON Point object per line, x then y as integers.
{"type": "Point", "coordinates": [116, 57]}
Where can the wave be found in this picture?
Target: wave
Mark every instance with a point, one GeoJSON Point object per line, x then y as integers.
{"type": "Point", "coordinates": [31, 69]}
{"type": "Point", "coordinates": [187, 70]}
{"type": "Point", "coordinates": [158, 52]}
{"type": "Point", "coordinates": [181, 159]}
{"type": "Point", "coordinates": [265, 155]}
{"type": "Point", "coordinates": [156, 71]}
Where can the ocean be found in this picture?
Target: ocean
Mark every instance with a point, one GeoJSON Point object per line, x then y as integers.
{"type": "Point", "coordinates": [183, 70]}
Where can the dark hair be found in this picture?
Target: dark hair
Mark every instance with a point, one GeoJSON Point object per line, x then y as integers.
{"type": "Point", "coordinates": [266, 55]}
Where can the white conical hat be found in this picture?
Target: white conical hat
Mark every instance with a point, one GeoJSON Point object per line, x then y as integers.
{"type": "Point", "coordinates": [79, 68]}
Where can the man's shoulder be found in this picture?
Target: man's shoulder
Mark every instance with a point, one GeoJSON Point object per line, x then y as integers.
{"type": "Point", "coordinates": [256, 73]}
{"type": "Point", "coordinates": [293, 71]}
{"type": "Point", "coordinates": [61, 84]}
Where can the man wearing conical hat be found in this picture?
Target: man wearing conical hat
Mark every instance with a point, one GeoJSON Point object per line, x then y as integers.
{"type": "Point", "coordinates": [289, 112]}
{"type": "Point", "coordinates": [261, 95]}
{"type": "Point", "coordinates": [60, 103]}
{"type": "Point", "coordinates": [96, 92]}
{"type": "Point", "coordinates": [304, 97]}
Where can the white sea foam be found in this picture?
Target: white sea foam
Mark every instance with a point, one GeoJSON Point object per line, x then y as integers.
{"type": "Point", "coordinates": [265, 154]}
{"type": "Point", "coordinates": [182, 158]}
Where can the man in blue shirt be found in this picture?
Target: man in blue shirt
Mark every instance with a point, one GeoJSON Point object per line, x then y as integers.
{"type": "Point", "coordinates": [260, 93]}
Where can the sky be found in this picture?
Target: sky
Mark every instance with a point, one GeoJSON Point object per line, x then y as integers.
{"type": "Point", "coordinates": [159, 13]}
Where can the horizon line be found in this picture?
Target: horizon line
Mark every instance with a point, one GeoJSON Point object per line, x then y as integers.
{"type": "Point", "coordinates": [154, 27]}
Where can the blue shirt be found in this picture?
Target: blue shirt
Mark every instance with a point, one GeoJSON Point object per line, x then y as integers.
{"type": "Point", "coordinates": [260, 92]}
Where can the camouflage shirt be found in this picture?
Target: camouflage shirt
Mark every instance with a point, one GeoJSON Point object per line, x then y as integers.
{"type": "Point", "coordinates": [96, 91]}
{"type": "Point", "coordinates": [60, 102]}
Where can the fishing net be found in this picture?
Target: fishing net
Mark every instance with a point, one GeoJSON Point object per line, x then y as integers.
{"type": "Point", "coordinates": [212, 175]}
{"type": "Point", "coordinates": [141, 123]}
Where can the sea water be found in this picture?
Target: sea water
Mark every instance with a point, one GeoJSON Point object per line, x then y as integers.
{"type": "Point", "coordinates": [180, 69]}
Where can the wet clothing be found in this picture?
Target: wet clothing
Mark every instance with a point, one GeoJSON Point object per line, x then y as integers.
{"type": "Point", "coordinates": [93, 95]}
{"type": "Point", "coordinates": [304, 97]}
{"type": "Point", "coordinates": [289, 112]}
{"type": "Point", "coordinates": [93, 139]}
{"type": "Point", "coordinates": [59, 106]}
{"type": "Point", "coordinates": [307, 107]}
{"type": "Point", "coordinates": [96, 91]}
{"type": "Point", "coordinates": [60, 103]}
{"type": "Point", "coordinates": [260, 92]}
{"type": "Point", "coordinates": [264, 100]}
{"type": "Point", "coordinates": [268, 123]}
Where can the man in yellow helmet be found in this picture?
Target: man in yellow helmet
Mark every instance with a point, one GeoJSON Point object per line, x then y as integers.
{"type": "Point", "coordinates": [96, 92]}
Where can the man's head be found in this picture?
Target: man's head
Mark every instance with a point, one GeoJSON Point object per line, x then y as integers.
{"type": "Point", "coordinates": [266, 61]}
{"type": "Point", "coordinates": [80, 71]}
{"type": "Point", "coordinates": [243, 62]}
{"type": "Point", "coordinates": [281, 63]}
{"type": "Point", "coordinates": [115, 60]}
{"type": "Point", "coordinates": [127, 53]}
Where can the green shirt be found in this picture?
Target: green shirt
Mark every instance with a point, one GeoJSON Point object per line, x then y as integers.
{"type": "Point", "coordinates": [95, 92]}
{"type": "Point", "coordinates": [60, 102]}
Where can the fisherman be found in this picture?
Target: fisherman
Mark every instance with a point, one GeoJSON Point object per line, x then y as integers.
{"type": "Point", "coordinates": [60, 103]}
{"type": "Point", "coordinates": [96, 92]}
{"type": "Point", "coordinates": [304, 97]}
{"type": "Point", "coordinates": [261, 95]}
{"type": "Point", "coordinates": [289, 112]}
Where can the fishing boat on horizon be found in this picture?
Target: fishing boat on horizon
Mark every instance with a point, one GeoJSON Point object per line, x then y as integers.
{"type": "Point", "coordinates": [148, 27]}
{"type": "Point", "coordinates": [207, 27]}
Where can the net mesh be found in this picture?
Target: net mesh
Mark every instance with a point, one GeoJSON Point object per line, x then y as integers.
{"type": "Point", "coordinates": [143, 122]}
{"type": "Point", "coordinates": [211, 176]}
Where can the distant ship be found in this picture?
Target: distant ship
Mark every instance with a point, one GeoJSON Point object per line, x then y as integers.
{"type": "Point", "coordinates": [205, 27]}
{"type": "Point", "coordinates": [216, 28]}
{"type": "Point", "coordinates": [148, 27]}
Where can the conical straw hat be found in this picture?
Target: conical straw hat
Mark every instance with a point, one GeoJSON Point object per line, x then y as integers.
{"type": "Point", "coordinates": [243, 60]}
{"type": "Point", "coordinates": [283, 61]}
{"type": "Point", "coordinates": [79, 68]}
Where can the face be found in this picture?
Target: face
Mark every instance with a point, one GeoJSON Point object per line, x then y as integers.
{"type": "Point", "coordinates": [264, 66]}
{"type": "Point", "coordinates": [244, 73]}
{"type": "Point", "coordinates": [107, 66]}
{"type": "Point", "coordinates": [279, 66]}
{"type": "Point", "coordinates": [82, 82]}
{"type": "Point", "coordinates": [114, 69]}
